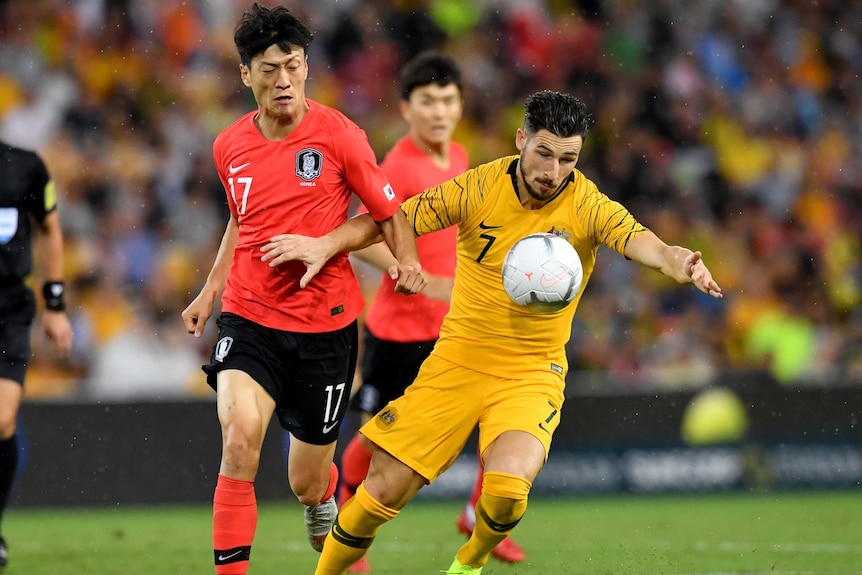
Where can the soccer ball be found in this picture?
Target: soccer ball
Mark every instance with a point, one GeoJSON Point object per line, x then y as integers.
{"type": "Point", "coordinates": [542, 272]}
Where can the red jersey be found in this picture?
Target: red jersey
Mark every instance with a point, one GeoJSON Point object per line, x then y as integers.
{"type": "Point", "coordinates": [394, 316]}
{"type": "Point", "coordinates": [301, 184]}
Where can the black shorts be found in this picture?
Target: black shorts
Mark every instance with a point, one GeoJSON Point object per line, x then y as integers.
{"type": "Point", "coordinates": [309, 375]}
{"type": "Point", "coordinates": [387, 368]}
{"type": "Point", "coordinates": [17, 310]}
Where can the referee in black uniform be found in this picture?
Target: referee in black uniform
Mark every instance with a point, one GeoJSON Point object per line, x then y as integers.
{"type": "Point", "coordinates": [28, 202]}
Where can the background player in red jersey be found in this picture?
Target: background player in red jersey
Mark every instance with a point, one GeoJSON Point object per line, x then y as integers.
{"type": "Point", "coordinates": [28, 202]}
{"type": "Point", "coordinates": [431, 104]}
{"type": "Point", "coordinates": [288, 343]}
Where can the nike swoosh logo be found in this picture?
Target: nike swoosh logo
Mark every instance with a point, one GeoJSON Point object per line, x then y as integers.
{"type": "Point", "coordinates": [226, 557]}
{"type": "Point", "coordinates": [328, 428]}
{"type": "Point", "coordinates": [487, 227]}
{"type": "Point", "coordinates": [548, 281]}
{"type": "Point", "coordinates": [233, 170]}
{"type": "Point", "coordinates": [542, 427]}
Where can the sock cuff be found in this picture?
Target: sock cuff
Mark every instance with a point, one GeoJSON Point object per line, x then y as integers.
{"type": "Point", "coordinates": [507, 485]}
{"type": "Point", "coordinates": [372, 506]}
{"type": "Point", "coordinates": [234, 491]}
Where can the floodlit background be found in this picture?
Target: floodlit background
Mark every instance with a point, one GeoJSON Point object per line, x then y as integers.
{"type": "Point", "coordinates": [733, 127]}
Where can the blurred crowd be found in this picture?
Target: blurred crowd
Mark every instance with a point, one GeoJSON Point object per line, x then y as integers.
{"type": "Point", "coordinates": [731, 126]}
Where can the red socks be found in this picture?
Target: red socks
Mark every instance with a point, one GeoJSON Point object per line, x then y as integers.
{"type": "Point", "coordinates": [333, 482]}
{"type": "Point", "coordinates": [234, 523]}
{"type": "Point", "coordinates": [235, 520]}
{"type": "Point", "coordinates": [354, 467]}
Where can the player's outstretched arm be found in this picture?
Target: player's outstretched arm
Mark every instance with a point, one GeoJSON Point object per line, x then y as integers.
{"type": "Point", "coordinates": [378, 255]}
{"type": "Point", "coordinates": [197, 313]}
{"type": "Point", "coordinates": [679, 263]}
{"type": "Point", "coordinates": [356, 233]}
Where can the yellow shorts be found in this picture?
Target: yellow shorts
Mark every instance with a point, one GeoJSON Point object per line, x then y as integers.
{"type": "Point", "coordinates": [428, 426]}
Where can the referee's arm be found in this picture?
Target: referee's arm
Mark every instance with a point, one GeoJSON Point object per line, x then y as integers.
{"type": "Point", "coordinates": [49, 247]}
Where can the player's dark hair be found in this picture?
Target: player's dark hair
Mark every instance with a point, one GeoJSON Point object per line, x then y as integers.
{"type": "Point", "coordinates": [261, 27]}
{"type": "Point", "coordinates": [561, 114]}
{"type": "Point", "coordinates": [426, 68]}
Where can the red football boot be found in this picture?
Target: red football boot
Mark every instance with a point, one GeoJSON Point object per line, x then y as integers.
{"type": "Point", "coordinates": [509, 551]}
{"type": "Point", "coordinates": [360, 566]}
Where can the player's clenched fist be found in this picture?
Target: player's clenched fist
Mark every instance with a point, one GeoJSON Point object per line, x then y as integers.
{"type": "Point", "coordinates": [408, 278]}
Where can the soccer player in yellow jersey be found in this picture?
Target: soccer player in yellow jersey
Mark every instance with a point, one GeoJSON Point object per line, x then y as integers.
{"type": "Point", "coordinates": [496, 365]}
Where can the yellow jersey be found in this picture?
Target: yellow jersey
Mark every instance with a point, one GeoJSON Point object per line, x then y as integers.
{"type": "Point", "coordinates": [484, 330]}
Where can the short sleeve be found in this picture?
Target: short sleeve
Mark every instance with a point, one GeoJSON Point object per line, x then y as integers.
{"type": "Point", "coordinates": [364, 177]}
{"type": "Point", "coordinates": [41, 195]}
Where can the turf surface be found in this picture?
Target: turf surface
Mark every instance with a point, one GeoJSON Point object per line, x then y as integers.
{"type": "Point", "coordinates": [808, 533]}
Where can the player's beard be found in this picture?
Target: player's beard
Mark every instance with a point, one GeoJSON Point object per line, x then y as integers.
{"type": "Point", "coordinates": [536, 193]}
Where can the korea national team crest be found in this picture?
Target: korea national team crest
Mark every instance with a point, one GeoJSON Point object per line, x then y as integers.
{"type": "Point", "coordinates": [309, 163]}
{"type": "Point", "coordinates": [222, 348]}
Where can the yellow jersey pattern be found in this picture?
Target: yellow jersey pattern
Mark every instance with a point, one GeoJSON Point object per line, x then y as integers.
{"type": "Point", "coordinates": [484, 330]}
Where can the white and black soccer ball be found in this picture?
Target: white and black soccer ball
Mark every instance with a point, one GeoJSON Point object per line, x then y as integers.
{"type": "Point", "coordinates": [542, 272]}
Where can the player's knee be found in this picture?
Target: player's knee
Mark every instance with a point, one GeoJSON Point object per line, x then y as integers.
{"type": "Point", "coordinates": [240, 450]}
{"type": "Point", "coordinates": [393, 485]}
{"type": "Point", "coordinates": [310, 479]}
{"type": "Point", "coordinates": [504, 499]}
{"type": "Point", "coordinates": [307, 490]}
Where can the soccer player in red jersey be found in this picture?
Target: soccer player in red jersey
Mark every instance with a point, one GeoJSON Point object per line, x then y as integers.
{"type": "Point", "coordinates": [288, 332]}
{"type": "Point", "coordinates": [431, 104]}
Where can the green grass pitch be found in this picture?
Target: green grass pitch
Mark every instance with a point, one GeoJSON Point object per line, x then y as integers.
{"type": "Point", "coordinates": [800, 533]}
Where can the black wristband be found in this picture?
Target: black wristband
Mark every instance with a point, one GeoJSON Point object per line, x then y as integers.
{"type": "Point", "coordinates": [55, 296]}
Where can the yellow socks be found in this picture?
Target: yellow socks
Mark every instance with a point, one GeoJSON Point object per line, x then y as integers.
{"type": "Point", "coordinates": [500, 508]}
{"type": "Point", "coordinates": [354, 530]}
